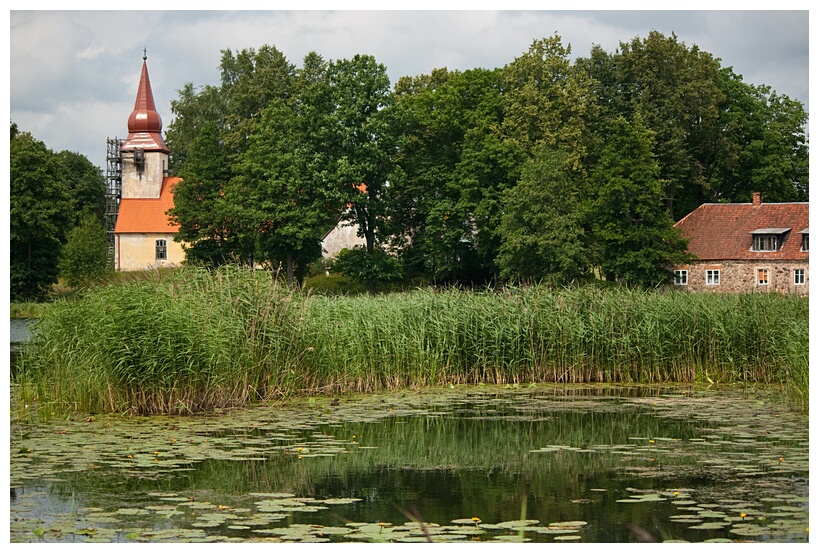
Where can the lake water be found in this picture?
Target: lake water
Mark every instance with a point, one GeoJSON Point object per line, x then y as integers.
{"type": "Point", "coordinates": [20, 330]}
{"type": "Point", "coordinates": [491, 464]}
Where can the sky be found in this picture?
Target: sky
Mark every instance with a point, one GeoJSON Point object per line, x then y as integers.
{"type": "Point", "coordinates": [73, 74]}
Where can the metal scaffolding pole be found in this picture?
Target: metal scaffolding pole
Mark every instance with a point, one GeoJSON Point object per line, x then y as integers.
{"type": "Point", "coordinates": [113, 192]}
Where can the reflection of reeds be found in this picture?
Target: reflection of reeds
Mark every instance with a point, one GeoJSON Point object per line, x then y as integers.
{"type": "Point", "coordinates": [195, 340]}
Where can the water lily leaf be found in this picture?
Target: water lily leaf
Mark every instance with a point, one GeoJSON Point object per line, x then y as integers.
{"type": "Point", "coordinates": [516, 524]}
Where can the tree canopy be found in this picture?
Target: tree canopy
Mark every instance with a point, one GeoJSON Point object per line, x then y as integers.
{"type": "Point", "coordinates": [48, 195]}
{"type": "Point", "coordinates": [546, 168]}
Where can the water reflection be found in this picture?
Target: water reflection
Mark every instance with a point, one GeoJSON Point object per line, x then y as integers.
{"type": "Point", "coordinates": [564, 456]}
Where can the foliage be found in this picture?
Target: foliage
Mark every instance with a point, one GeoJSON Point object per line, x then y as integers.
{"type": "Point", "coordinates": [634, 237]}
{"type": "Point", "coordinates": [207, 221]}
{"type": "Point", "coordinates": [547, 101]}
{"type": "Point", "coordinates": [449, 170]}
{"type": "Point", "coordinates": [762, 146]}
{"type": "Point", "coordinates": [84, 257]}
{"type": "Point", "coordinates": [39, 216]}
{"type": "Point", "coordinates": [367, 267]}
{"type": "Point", "coordinates": [284, 185]}
{"type": "Point", "coordinates": [444, 201]}
{"type": "Point", "coordinates": [85, 184]}
{"type": "Point", "coordinates": [196, 340]}
{"type": "Point", "coordinates": [542, 232]}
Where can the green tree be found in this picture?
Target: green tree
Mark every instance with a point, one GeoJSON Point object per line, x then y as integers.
{"type": "Point", "coordinates": [84, 258]}
{"type": "Point", "coordinates": [191, 112]}
{"type": "Point", "coordinates": [368, 267]}
{"type": "Point", "coordinates": [251, 79]}
{"type": "Point", "coordinates": [207, 222]}
{"type": "Point", "coordinates": [285, 188]}
{"type": "Point", "coordinates": [674, 91]}
{"type": "Point", "coordinates": [39, 216]}
{"type": "Point", "coordinates": [363, 143]}
{"type": "Point", "coordinates": [547, 102]}
{"type": "Point", "coordinates": [542, 232]}
{"type": "Point", "coordinates": [634, 237]}
{"type": "Point", "coordinates": [761, 145]}
{"type": "Point", "coordinates": [85, 184]}
{"type": "Point", "coordinates": [445, 199]}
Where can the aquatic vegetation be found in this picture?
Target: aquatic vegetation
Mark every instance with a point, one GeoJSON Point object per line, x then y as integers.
{"type": "Point", "coordinates": [194, 341]}
{"type": "Point", "coordinates": [447, 465]}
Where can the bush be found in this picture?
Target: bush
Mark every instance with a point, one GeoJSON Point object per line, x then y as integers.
{"type": "Point", "coordinates": [84, 258]}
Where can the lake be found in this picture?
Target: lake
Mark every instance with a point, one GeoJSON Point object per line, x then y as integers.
{"type": "Point", "coordinates": [545, 463]}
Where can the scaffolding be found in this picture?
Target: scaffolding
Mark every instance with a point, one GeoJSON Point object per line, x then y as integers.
{"type": "Point", "coordinates": [113, 193]}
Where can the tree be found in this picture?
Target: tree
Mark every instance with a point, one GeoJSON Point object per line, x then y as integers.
{"type": "Point", "coordinates": [761, 147]}
{"type": "Point", "coordinates": [85, 184]}
{"type": "Point", "coordinates": [192, 111]}
{"type": "Point", "coordinates": [207, 222]}
{"type": "Point", "coordinates": [370, 267]}
{"type": "Point", "coordinates": [363, 143]}
{"type": "Point", "coordinates": [84, 258]}
{"type": "Point", "coordinates": [547, 102]}
{"type": "Point", "coordinates": [633, 234]}
{"type": "Point", "coordinates": [39, 216]}
{"type": "Point", "coordinates": [251, 79]}
{"type": "Point", "coordinates": [674, 91]}
{"type": "Point", "coordinates": [444, 201]}
{"type": "Point", "coordinates": [286, 189]}
{"type": "Point", "coordinates": [542, 232]}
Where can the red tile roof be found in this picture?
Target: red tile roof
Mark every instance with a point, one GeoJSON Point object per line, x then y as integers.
{"type": "Point", "coordinates": [723, 231]}
{"type": "Point", "coordinates": [147, 215]}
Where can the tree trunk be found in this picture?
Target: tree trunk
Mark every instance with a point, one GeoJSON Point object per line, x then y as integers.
{"type": "Point", "coordinates": [290, 270]}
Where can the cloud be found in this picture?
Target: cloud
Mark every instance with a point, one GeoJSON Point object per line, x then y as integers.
{"type": "Point", "coordinates": [72, 67]}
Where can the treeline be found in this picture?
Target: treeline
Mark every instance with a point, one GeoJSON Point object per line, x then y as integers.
{"type": "Point", "coordinates": [544, 169]}
{"type": "Point", "coordinates": [56, 218]}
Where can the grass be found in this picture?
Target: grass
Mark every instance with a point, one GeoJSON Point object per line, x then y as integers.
{"type": "Point", "coordinates": [192, 340]}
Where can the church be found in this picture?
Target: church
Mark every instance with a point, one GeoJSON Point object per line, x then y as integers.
{"type": "Point", "coordinates": [143, 235]}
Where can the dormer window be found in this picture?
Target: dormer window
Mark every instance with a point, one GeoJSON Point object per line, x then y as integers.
{"type": "Point", "coordinates": [805, 233]}
{"type": "Point", "coordinates": [765, 243]}
{"type": "Point", "coordinates": [768, 239]}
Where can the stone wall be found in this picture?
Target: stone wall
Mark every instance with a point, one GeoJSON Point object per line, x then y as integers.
{"type": "Point", "coordinates": [741, 276]}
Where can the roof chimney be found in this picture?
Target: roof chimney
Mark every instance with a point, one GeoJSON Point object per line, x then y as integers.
{"type": "Point", "coordinates": [757, 198]}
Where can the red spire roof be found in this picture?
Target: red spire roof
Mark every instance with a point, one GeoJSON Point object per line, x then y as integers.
{"type": "Point", "coordinates": [144, 124]}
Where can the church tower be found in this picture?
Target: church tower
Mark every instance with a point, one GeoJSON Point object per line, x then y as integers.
{"type": "Point", "coordinates": [144, 153]}
{"type": "Point", "coordinates": [143, 235]}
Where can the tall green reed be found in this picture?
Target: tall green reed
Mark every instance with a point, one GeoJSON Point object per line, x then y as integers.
{"type": "Point", "coordinates": [196, 340]}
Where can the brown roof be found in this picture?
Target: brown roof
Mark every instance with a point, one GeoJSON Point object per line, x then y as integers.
{"type": "Point", "coordinates": [724, 231]}
{"type": "Point", "coordinates": [147, 215]}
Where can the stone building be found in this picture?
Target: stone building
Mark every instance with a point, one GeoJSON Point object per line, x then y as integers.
{"type": "Point", "coordinates": [747, 247]}
{"type": "Point", "coordinates": [143, 235]}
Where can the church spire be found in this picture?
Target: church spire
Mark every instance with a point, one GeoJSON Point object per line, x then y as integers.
{"type": "Point", "coordinates": [145, 124]}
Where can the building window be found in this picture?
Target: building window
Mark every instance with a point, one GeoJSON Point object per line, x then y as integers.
{"type": "Point", "coordinates": [161, 249]}
{"type": "Point", "coordinates": [805, 242]}
{"type": "Point", "coordinates": [799, 277]}
{"type": "Point", "coordinates": [762, 276]}
{"type": "Point", "coordinates": [765, 243]}
{"type": "Point", "coordinates": [681, 277]}
{"type": "Point", "coordinates": [712, 277]}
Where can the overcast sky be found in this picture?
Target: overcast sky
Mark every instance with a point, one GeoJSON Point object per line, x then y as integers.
{"type": "Point", "coordinates": [73, 74]}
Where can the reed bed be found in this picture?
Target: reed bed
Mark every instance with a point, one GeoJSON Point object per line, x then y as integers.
{"type": "Point", "coordinates": [195, 340]}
